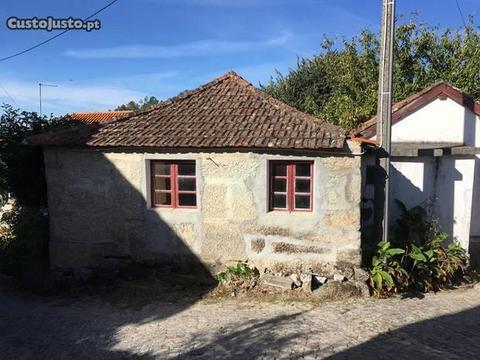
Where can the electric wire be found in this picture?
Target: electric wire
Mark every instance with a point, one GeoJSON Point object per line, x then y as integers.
{"type": "Point", "coordinates": [461, 13]}
{"type": "Point", "coordinates": [8, 95]}
{"type": "Point", "coordinates": [57, 35]}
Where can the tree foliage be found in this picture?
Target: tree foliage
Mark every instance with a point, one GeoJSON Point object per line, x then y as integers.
{"type": "Point", "coordinates": [21, 167]}
{"type": "Point", "coordinates": [24, 241]}
{"type": "Point", "coordinates": [340, 83]}
{"type": "Point", "coordinates": [143, 104]}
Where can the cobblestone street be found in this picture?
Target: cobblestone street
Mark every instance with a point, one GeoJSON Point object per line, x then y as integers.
{"type": "Point", "coordinates": [441, 326]}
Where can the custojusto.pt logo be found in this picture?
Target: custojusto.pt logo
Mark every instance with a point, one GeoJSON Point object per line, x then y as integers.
{"type": "Point", "coordinates": [50, 23]}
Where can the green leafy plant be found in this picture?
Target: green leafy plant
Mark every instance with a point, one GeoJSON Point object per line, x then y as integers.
{"type": "Point", "coordinates": [240, 270]}
{"type": "Point", "coordinates": [454, 261]}
{"type": "Point", "coordinates": [420, 261]}
{"type": "Point", "coordinates": [435, 266]}
{"type": "Point", "coordinates": [387, 274]}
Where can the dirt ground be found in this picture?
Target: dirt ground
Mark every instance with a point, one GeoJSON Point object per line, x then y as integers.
{"type": "Point", "coordinates": [440, 326]}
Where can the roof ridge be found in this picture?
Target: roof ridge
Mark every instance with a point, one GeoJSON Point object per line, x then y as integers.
{"type": "Point", "coordinates": [97, 112]}
{"type": "Point", "coordinates": [185, 94]}
{"type": "Point", "coordinates": [228, 75]}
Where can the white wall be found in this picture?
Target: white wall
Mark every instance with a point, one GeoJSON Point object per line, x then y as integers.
{"type": "Point", "coordinates": [475, 218]}
{"type": "Point", "coordinates": [439, 121]}
{"type": "Point", "coordinates": [446, 184]}
{"type": "Point", "coordinates": [454, 189]}
{"type": "Point", "coordinates": [453, 182]}
{"type": "Point", "coordinates": [412, 183]}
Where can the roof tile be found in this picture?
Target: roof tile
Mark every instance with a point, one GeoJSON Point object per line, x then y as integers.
{"type": "Point", "coordinates": [98, 116]}
{"type": "Point", "coordinates": [225, 113]}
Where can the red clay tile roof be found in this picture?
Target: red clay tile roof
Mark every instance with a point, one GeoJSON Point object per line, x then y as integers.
{"type": "Point", "coordinates": [225, 113]}
{"type": "Point", "coordinates": [409, 105]}
{"type": "Point", "coordinates": [98, 116]}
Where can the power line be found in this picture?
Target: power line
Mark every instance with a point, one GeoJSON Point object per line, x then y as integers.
{"type": "Point", "coordinates": [55, 36]}
{"type": "Point", "coordinates": [8, 95]}
{"type": "Point", "coordinates": [461, 13]}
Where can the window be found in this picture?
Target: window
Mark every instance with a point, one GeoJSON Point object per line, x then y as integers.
{"type": "Point", "coordinates": [291, 184]}
{"type": "Point", "coordinates": [173, 184]}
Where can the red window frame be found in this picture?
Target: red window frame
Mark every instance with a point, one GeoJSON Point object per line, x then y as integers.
{"type": "Point", "coordinates": [290, 190]}
{"type": "Point", "coordinates": [174, 177]}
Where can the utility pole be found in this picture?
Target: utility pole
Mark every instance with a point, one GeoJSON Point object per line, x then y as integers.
{"type": "Point", "coordinates": [40, 93]}
{"type": "Point", "coordinates": [384, 109]}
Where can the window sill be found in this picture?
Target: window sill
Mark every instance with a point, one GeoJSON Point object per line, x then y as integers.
{"type": "Point", "coordinates": [290, 213]}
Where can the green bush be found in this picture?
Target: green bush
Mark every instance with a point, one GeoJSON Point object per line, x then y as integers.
{"type": "Point", "coordinates": [241, 270]}
{"type": "Point", "coordinates": [419, 261]}
{"type": "Point", "coordinates": [434, 266]}
{"type": "Point", "coordinates": [24, 242]}
{"type": "Point", "coordinates": [387, 275]}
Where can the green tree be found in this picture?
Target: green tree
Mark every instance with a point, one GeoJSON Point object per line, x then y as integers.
{"type": "Point", "coordinates": [143, 104]}
{"type": "Point", "coordinates": [340, 83]}
{"type": "Point", "coordinates": [21, 167]}
{"type": "Point", "coordinates": [23, 243]}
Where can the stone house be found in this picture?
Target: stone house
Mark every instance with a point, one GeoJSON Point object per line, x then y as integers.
{"type": "Point", "coordinates": [220, 173]}
{"type": "Point", "coordinates": [435, 162]}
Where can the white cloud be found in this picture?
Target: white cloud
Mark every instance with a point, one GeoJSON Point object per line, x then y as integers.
{"type": "Point", "coordinates": [67, 97]}
{"type": "Point", "coordinates": [197, 48]}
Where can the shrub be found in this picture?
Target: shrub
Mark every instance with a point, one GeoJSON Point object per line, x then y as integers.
{"type": "Point", "coordinates": [420, 261]}
{"type": "Point", "coordinates": [241, 270]}
{"type": "Point", "coordinates": [387, 274]}
{"type": "Point", "coordinates": [433, 266]}
{"type": "Point", "coordinates": [25, 240]}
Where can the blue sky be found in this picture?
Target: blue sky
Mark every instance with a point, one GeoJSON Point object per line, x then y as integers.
{"type": "Point", "coordinates": [162, 47]}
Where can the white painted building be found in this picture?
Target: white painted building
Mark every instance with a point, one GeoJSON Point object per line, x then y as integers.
{"type": "Point", "coordinates": [435, 160]}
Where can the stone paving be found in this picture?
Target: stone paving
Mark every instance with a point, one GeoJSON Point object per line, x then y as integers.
{"type": "Point", "coordinates": [441, 326]}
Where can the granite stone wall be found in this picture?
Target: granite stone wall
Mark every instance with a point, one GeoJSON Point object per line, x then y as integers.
{"type": "Point", "coordinates": [100, 212]}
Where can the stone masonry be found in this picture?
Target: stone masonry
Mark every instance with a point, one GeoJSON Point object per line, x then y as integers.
{"type": "Point", "coordinates": [99, 211]}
